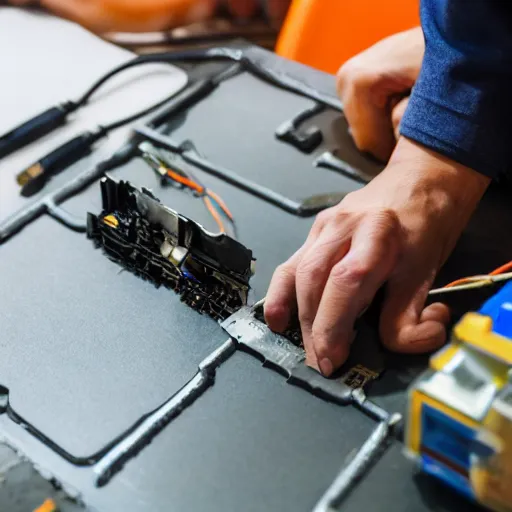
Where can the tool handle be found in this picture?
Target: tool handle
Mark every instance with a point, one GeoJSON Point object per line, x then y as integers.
{"type": "Point", "coordinates": [33, 129]}
{"type": "Point", "coordinates": [35, 177]}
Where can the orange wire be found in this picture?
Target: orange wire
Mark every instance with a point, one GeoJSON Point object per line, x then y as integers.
{"type": "Point", "coordinates": [221, 203]}
{"type": "Point", "coordinates": [207, 201]}
{"type": "Point", "coordinates": [214, 213]}
{"type": "Point", "coordinates": [500, 270]}
{"type": "Point", "coordinates": [457, 282]}
{"type": "Point", "coordinates": [185, 181]}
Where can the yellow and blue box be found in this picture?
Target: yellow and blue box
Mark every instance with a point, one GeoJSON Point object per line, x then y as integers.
{"type": "Point", "coordinates": [459, 423]}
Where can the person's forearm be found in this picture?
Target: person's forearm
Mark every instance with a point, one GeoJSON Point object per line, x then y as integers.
{"type": "Point", "coordinates": [461, 105]}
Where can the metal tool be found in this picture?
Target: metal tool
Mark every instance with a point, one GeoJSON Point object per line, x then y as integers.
{"type": "Point", "coordinates": [281, 353]}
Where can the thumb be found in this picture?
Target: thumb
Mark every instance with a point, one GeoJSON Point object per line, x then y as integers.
{"type": "Point", "coordinates": [406, 325]}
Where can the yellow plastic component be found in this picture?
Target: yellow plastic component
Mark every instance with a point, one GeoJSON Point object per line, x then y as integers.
{"type": "Point", "coordinates": [413, 434]}
{"type": "Point", "coordinates": [493, 365]}
{"type": "Point", "coordinates": [473, 342]}
{"type": "Point", "coordinates": [492, 479]}
{"type": "Point", "coordinates": [326, 33]}
{"type": "Point", "coordinates": [48, 506]}
{"type": "Point", "coordinates": [418, 399]}
{"type": "Point", "coordinates": [111, 221]}
{"type": "Point", "coordinates": [476, 330]}
{"type": "Point", "coordinates": [439, 360]}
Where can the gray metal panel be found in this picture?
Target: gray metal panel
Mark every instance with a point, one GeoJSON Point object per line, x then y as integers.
{"type": "Point", "coordinates": [86, 348]}
{"type": "Point", "coordinates": [251, 442]}
{"type": "Point", "coordinates": [394, 484]}
{"type": "Point", "coordinates": [247, 112]}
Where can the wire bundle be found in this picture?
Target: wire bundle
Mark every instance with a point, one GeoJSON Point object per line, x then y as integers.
{"type": "Point", "coordinates": [503, 273]}
{"type": "Point", "coordinates": [212, 201]}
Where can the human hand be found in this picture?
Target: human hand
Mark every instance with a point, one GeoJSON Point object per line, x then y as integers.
{"type": "Point", "coordinates": [397, 231]}
{"type": "Point", "coordinates": [374, 87]}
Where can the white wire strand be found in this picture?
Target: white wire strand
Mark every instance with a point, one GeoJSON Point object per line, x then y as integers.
{"type": "Point", "coordinates": [477, 282]}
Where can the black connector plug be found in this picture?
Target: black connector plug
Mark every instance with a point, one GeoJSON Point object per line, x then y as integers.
{"type": "Point", "coordinates": [304, 140]}
{"type": "Point", "coordinates": [35, 128]}
{"type": "Point", "coordinates": [35, 177]}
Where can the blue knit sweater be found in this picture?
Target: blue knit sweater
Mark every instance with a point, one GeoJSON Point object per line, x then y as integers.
{"type": "Point", "coordinates": [461, 105]}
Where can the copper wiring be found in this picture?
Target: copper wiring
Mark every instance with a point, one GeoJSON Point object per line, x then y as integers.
{"type": "Point", "coordinates": [500, 270]}
{"type": "Point", "coordinates": [210, 198]}
{"type": "Point", "coordinates": [205, 193]}
{"type": "Point", "coordinates": [208, 203]}
{"type": "Point", "coordinates": [471, 283]}
{"type": "Point", "coordinates": [471, 279]}
{"type": "Point", "coordinates": [465, 280]}
{"type": "Point", "coordinates": [185, 181]}
{"type": "Point", "coordinates": [221, 203]}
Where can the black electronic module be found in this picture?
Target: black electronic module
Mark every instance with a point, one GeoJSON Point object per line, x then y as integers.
{"type": "Point", "coordinates": [210, 272]}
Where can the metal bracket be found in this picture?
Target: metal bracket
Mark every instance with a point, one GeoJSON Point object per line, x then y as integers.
{"type": "Point", "coordinates": [281, 354]}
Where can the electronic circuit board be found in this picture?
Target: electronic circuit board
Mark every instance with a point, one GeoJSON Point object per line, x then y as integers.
{"type": "Point", "coordinates": [209, 271]}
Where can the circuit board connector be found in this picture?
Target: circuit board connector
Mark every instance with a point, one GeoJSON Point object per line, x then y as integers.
{"type": "Point", "coordinates": [210, 272]}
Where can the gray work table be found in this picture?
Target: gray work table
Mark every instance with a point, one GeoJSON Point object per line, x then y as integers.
{"type": "Point", "coordinates": [87, 349]}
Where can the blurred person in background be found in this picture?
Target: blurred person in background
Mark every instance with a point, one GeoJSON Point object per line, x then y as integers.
{"type": "Point", "coordinates": [154, 15]}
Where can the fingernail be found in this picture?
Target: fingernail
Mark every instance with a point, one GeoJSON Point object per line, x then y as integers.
{"type": "Point", "coordinates": [325, 367]}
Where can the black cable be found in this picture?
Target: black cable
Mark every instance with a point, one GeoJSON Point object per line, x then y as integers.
{"type": "Point", "coordinates": [87, 95]}
{"type": "Point", "coordinates": [155, 58]}
{"type": "Point", "coordinates": [137, 61]}
{"type": "Point", "coordinates": [34, 178]}
{"type": "Point", "coordinates": [107, 128]}
{"type": "Point", "coordinates": [56, 116]}
{"type": "Point", "coordinates": [53, 118]}
{"type": "Point", "coordinates": [200, 88]}
{"type": "Point", "coordinates": [183, 100]}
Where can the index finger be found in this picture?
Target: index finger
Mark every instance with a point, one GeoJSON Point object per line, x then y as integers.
{"type": "Point", "coordinates": [281, 295]}
{"type": "Point", "coordinates": [350, 288]}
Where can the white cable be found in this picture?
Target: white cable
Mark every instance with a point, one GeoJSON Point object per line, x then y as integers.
{"type": "Point", "coordinates": [478, 282]}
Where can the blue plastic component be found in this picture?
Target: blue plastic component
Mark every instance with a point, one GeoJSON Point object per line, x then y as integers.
{"type": "Point", "coordinates": [447, 475]}
{"type": "Point", "coordinates": [499, 308]}
{"type": "Point", "coordinates": [446, 437]}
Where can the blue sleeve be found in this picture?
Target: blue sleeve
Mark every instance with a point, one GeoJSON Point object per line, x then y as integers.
{"type": "Point", "coordinates": [461, 105]}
